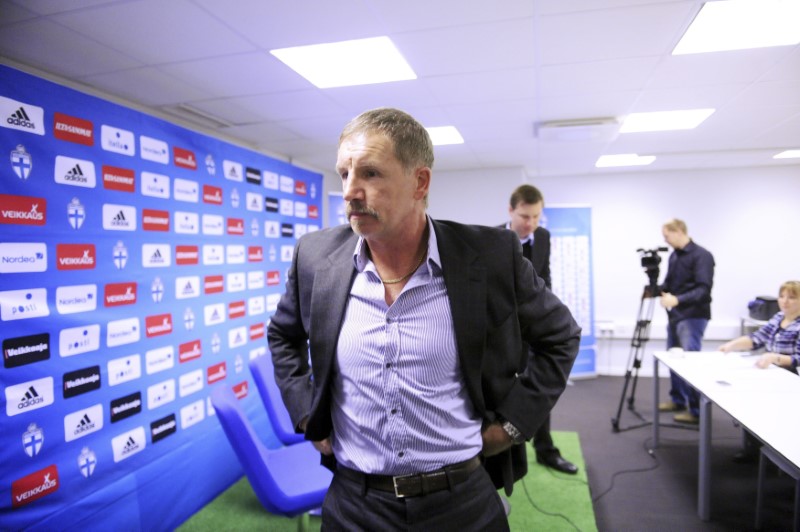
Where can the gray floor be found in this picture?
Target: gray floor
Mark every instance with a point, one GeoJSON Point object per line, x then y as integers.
{"type": "Point", "coordinates": [634, 490]}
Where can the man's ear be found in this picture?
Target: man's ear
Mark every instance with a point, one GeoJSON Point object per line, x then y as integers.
{"type": "Point", "coordinates": [423, 182]}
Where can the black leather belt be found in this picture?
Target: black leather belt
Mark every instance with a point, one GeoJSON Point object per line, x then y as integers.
{"type": "Point", "coordinates": [415, 485]}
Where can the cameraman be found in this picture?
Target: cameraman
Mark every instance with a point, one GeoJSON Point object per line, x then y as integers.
{"type": "Point", "coordinates": [686, 294]}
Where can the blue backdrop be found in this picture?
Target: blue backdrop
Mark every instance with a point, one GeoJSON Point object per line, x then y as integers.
{"type": "Point", "coordinates": [139, 265]}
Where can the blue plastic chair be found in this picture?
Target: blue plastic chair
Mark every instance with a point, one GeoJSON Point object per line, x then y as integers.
{"type": "Point", "coordinates": [288, 481]}
{"type": "Point", "coordinates": [264, 377]}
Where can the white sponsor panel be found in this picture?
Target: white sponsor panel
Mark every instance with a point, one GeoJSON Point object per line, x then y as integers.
{"type": "Point", "coordinates": [75, 172]}
{"type": "Point", "coordinates": [155, 185]}
{"type": "Point", "coordinates": [160, 394]}
{"type": "Point", "coordinates": [213, 254]}
{"type": "Point", "coordinates": [287, 252]}
{"type": "Point", "coordinates": [21, 116]}
{"type": "Point", "coordinates": [156, 255]}
{"type": "Point", "coordinates": [77, 298]}
{"type": "Point", "coordinates": [301, 209]}
{"type": "Point", "coordinates": [254, 202]}
{"type": "Point", "coordinates": [287, 184]}
{"type": "Point", "coordinates": [124, 369]}
{"type": "Point", "coordinates": [154, 150]}
{"type": "Point", "coordinates": [258, 352]}
{"type": "Point", "coordinates": [186, 190]}
{"type": "Point", "coordinates": [286, 207]}
{"type": "Point", "coordinates": [270, 180]}
{"type": "Point", "coordinates": [186, 223]}
{"type": "Point", "coordinates": [121, 332]}
{"type": "Point", "coordinates": [28, 396]}
{"type": "Point", "coordinates": [159, 359]}
{"type": "Point", "coordinates": [187, 287]}
{"type": "Point", "coordinates": [233, 170]}
{"type": "Point", "coordinates": [235, 254]}
{"type": "Point", "coordinates": [300, 230]}
{"type": "Point", "coordinates": [214, 314]}
{"type": "Point", "coordinates": [77, 340]}
{"type": "Point", "coordinates": [272, 229]}
{"type": "Point", "coordinates": [255, 306]}
{"type": "Point", "coordinates": [272, 302]}
{"type": "Point", "coordinates": [129, 443]}
{"type": "Point", "coordinates": [119, 217]}
{"type": "Point", "coordinates": [23, 304]}
{"type": "Point", "coordinates": [213, 224]}
{"type": "Point", "coordinates": [313, 228]}
{"type": "Point", "coordinates": [237, 337]}
{"type": "Point", "coordinates": [255, 280]}
{"type": "Point", "coordinates": [192, 414]}
{"type": "Point", "coordinates": [117, 140]}
{"type": "Point", "coordinates": [21, 257]}
{"type": "Point", "coordinates": [235, 282]}
{"type": "Point", "coordinates": [83, 422]}
{"type": "Point", "coordinates": [190, 383]}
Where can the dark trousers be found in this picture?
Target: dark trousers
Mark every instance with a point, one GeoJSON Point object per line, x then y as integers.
{"type": "Point", "coordinates": [543, 441]}
{"type": "Point", "coordinates": [471, 505]}
{"type": "Point", "coordinates": [688, 335]}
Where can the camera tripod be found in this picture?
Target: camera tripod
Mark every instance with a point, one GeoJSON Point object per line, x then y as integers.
{"type": "Point", "coordinates": [641, 335]}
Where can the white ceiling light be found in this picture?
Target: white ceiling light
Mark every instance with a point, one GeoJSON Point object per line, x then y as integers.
{"type": "Point", "coordinates": [741, 24]}
{"type": "Point", "coordinates": [664, 120]}
{"type": "Point", "coordinates": [624, 159]}
{"type": "Point", "coordinates": [347, 63]}
{"type": "Point", "coordinates": [441, 136]}
{"type": "Point", "coordinates": [788, 154]}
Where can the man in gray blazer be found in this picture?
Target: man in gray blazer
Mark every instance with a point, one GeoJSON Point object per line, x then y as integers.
{"type": "Point", "coordinates": [400, 346]}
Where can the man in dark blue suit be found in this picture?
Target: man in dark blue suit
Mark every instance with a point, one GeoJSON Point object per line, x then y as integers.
{"type": "Point", "coordinates": [525, 210]}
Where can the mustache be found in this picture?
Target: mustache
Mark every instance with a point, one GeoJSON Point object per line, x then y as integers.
{"type": "Point", "coordinates": [357, 207]}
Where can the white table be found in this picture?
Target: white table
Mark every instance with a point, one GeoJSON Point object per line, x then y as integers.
{"type": "Point", "coordinates": [762, 400]}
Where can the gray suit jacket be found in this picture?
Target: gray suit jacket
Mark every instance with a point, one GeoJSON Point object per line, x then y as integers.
{"type": "Point", "coordinates": [500, 308]}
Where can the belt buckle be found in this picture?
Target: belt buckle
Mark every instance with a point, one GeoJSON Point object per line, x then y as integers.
{"type": "Point", "coordinates": [397, 488]}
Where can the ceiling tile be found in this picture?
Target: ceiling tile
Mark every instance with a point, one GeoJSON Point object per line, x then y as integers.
{"type": "Point", "coordinates": [611, 75]}
{"type": "Point", "coordinates": [146, 86]}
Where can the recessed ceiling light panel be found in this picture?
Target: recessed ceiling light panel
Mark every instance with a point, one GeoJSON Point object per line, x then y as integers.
{"type": "Point", "coordinates": [787, 154]}
{"type": "Point", "coordinates": [624, 159]}
{"type": "Point", "coordinates": [441, 136]}
{"type": "Point", "coordinates": [664, 120]}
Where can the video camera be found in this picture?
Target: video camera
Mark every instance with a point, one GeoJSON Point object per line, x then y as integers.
{"type": "Point", "coordinates": [650, 261]}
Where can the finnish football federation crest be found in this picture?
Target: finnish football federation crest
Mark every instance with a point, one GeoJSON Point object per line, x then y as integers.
{"type": "Point", "coordinates": [76, 213]}
{"type": "Point", "coordinates": [211, 166]}
{"type": "Point", "coordinates": [87, 460]}
{"type": "Point", "coordinates": [188, 319]}
{"type": "Point", "coordinates": [235, 198]}
{"type": "Point", "coordinates": [254, 227]}
{"type": "Point", "coordinates": [273, 253]}
{"type": "Point", "coordinates": [313, 190]}
{"type": "Point", "coordinates": [157, 290]}
{"type": "Point", "coordinates": [216, 343]}
{"type": "Point", "coordinates": [21, 162]}
{"type": "Point", "coordinates": [32, 440]}
{"type": "Point", "coordinates": [238, 364]}
{"type": "Point", "coordinates": [120, 255]}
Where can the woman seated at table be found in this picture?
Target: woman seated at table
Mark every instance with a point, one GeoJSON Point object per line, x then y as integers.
{"type": "Point", "coordinates": [781, 339]}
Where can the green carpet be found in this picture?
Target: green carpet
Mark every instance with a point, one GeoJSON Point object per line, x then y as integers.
{"type": "Point", "coordinates": [543, 500]}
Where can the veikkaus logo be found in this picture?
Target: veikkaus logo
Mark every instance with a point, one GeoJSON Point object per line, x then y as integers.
{"type": "Point", "coordinates": [22, 210]}
{"type": "Point", "coordinates": [158, 325]}
{"type": "Point", "coordinates": [75, 256]}
{"type": "Point", "coordinates": [116, 294]}
{"type": "Point", "coordinates": [21, 116]}
{"type": "Point", "coordinates": [34, 486]}
{"type": "Point", "coordinates": [184, 158]}
{"type": "Point", "coordinates": [20, 257]}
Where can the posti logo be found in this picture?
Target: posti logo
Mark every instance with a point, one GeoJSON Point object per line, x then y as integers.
{"type": "Point", "coordinates": [270, 180]}
{"type": "Point", "coordinates": [20, 257]}
{"type": "Point", "coordinates": [256, 306]}
{"type": "Point", "coordinates": [184, 158]}
{"type": "Point", "coordinates": [155, 185]}
{"type": "Point", "coordinates": [236, 282]}
{"type": "Point", "coordinates": [22, 210]}
{"type": "Point", "coordinates": [212, 195]}
{"type": "Point", "coordinates": [73, 129]}
{"type": "Point", "coordinates": [189, 351]}
{"type": "Point", "coordinates": [187, 223]}
{"type": "Point", "coordinates": [216, 373]}
{"type": "Point", "coordinates": [213, 284]}
{"type": "Point", "coordinates": [160, 394]}
{"type": "Point", "coordinates": [117, 140]}
{"type": "Point", "coordinates": [78, 340]}
{"type": "Point", "coordinates": [213, 254]}
{"type": "Point", "coordinates": [21, 116]}
{"type": "Point", "coordinates": [187, 255]}
{"type": "Point", "coordinates": [117, 294]}
{"type": "Point", "coordinates": [124, 369]}
{"type": "Point", "coordinates": [120, 179]}
{"type": "Point", "coordinates": [28, 396]}
{"type": "Point", "coordinates": [23, 304]}
{"type": "Point", "coordinates": [34, 486]}
{"type": "Point", "coordinates": [155, 220]}
{"type": "Point", "coordinates": [192, 414]}
{"type": "Point", "coordinates": [158, 325]}
{"type": "Point", "coordinates": [76, 256]}
{"type": "Point", "coordinates": [74, 172]}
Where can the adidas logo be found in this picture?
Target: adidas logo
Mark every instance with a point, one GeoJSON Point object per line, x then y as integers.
{"type": "Point", "coordinates": [75, 174]}
{"type": "Point", "coordinates": [30, 398]}
{"type": "Point", "coordinates": [120, 217]}
{"type": "Point", "coordinates": [130, 444]}
{"type": "Point", "coordinates": [20, 118]}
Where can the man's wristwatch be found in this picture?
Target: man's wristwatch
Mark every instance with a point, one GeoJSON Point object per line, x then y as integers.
{"type": "Point", "coordinates": [513, 432]}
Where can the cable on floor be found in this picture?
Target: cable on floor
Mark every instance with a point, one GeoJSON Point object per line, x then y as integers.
{"type": "Point", "coordinates": [625, 471]}
{"type": "Point", "coordinates": [541, 510]}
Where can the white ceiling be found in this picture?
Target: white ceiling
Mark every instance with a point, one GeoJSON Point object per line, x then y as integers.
{"type": "Point", "coordinates": [495, 70]}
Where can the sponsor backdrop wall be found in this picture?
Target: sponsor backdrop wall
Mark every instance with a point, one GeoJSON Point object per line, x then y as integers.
{"type": "Point", "coordinates": [139, 265]}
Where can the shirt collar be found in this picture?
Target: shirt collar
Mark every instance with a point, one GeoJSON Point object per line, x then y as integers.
{"type": "Point", "coordinates": [527, 240]}
{"type": "Point", "coordinates": [362, 262]}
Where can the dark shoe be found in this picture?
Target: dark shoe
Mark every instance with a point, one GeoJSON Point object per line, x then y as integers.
{"type": "Point", "coordinates": [745, 457]}
{"type": "Point", "coordinates": [669, 406]}
{"type": "Point", "coordinates": [686, 417]}
{"type": "Point", "coordinates": [556, 462]}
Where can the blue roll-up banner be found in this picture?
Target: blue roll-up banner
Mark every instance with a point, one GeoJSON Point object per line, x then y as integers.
{"type": "Point", "coordinates": [571, 271]}
{"type": "Point", "coordinates": [139, 265]}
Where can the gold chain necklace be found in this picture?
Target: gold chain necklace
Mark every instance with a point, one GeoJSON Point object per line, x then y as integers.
{"type": "Point", "coordinates": [406, 276]}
